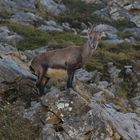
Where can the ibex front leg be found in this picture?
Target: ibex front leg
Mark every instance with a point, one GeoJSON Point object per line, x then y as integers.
{"type": "Point", "coordinates": [70, 73]}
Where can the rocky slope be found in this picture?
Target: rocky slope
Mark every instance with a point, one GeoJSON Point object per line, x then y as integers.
{"type": "Point", "coordinates": [104, 104]}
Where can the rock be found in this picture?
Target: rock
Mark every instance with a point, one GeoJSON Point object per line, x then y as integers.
{"type": "Point", "coordinates": [103, 84]}
{"type": "Point", "coordinates": [103, 14]}
{"type": "Point", "coordinates": [14, 6]}
{"type": "Point", "coordinates": [119, 14]}
{"type": "Point", "coordinates": [93, 1]}
{"type": "Point", "coordinates": [16, 83]}
{"type": "Point", "coordinates": [121, 10]}
{"type": "Point", "coordinates": [7, 48]}
{"type": "Point", "coordinates": [83, 75]}
{"type": "Point", "coordinates": [9, 71]}
{"type": "Point", "coordinates": [4, 29]}
{"type": "Point", "coordinates": [99, 96]}
{"type": "Point", "coordinates": [122, 122]}
{"type": "Point", "coordinates": [51, 25]}
{"type": "Point", "coordinates": [40, 50]}
{"type": "Point", "coordinates": [32, 112]}
{"type": "Point", "coordinates": [117, 11]}
{"type": "Point", "coordinates": [105, 27]}
{"type": "Point", "coordinates": [136, 5]}
{"type": "Point", "coordinates": [9, 37]}
{"type": "Point", "coordinates": [130, 5]}
{"type": "Point", "coordinates": [2, 48]}
{"type": "Point", "coordinates": [4, 33]}
{"type": "Point", "coordinates": [12, 39]}
{"type": "Point", "coordinates": [136, 101]}
{"type": "Point", "coordinates": [66, 26]}
{"type": "Point", "coordinates": [24, 11]}
{"type": "Point", "coordinates": [111, 36]}
{"type": "Point", "coordinates": [113, 71]}
{"type": "Point", "coordinates": [25, 3]}
{"type": "Point", "coordinates": [51, 28]}
{"type": "Point", "coordinates": [136, 20]}
{"type": "Point", "coordinates": [63, 113]}
{"type": "Point", "coordinates": [133, 32]}
{"type": "Point", "coordinates": [26, 18]}
{"type": "Point", "coordinates": [53, 7]}
{"type": "Point", "coordinates": [29, 54]}
{"type": "Point", "coordinates": [67, 108]}
{"type": "Point", "coordinates": [110, 31]}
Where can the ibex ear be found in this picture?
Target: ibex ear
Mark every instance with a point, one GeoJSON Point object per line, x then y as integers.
{"type": "Point", "coordinates": [103, 34]}
{"type": "Point", "coordinates": [90, 25]}
{"type": "Point", "coordinates": [88, 32]}
{"type": "Point", "coordinates": [91, 28]}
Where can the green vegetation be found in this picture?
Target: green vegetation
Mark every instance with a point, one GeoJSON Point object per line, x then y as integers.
{"type": "Point", "coordinates": [79, 11]}
{"type": "Point", "coordinates": [14, 127]}
{"type": "Point", "coordinates": [121, 24]}
{"type": "Point", "coordinates": [118, 54]}
{"type": "Point", "coordinates": [124, 34]}
{"type": "Point", "coordinates": [35, 38]}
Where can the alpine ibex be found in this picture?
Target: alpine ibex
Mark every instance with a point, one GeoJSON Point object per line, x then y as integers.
{"type": "Point", "coordinates": [69, 59]}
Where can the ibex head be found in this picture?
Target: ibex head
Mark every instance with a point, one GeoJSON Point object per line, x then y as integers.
{"type": "Point", "coordinates": [94, 37]}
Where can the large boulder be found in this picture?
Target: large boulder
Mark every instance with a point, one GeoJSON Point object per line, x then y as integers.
{"type": "Point", "coordinates": [78, 115]}
{"type": "Point", "coordinates": [67, 116]}
{"type": "Point", "coordinates": [16, 82]}
{"type": "Point", "coordinates": [111, 32]}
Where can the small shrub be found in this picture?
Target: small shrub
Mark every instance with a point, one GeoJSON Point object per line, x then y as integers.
{"type": "Point", "coordinates": [125, 46]}
{"type": "Point", "coordinates": [122, 24]}
{"type": "Point", "coordinates": [14, 127]}
{"type": "Point", "coordinates": [124, 34]}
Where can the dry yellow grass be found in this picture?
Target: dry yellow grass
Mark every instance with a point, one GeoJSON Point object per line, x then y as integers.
{"type": "Point", "coordinates": [57, 73]}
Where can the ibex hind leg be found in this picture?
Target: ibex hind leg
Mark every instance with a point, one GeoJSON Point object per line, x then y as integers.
{"type": "Point", "coordinates": [42, 85]}
{"type": "Point", "coordinates": [41, 90]}
{"type": "Point", "coordinates": [41, 74]}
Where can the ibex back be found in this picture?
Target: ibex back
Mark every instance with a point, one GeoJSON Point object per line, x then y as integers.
{"type": "Point", "coordinates": [70, 59]}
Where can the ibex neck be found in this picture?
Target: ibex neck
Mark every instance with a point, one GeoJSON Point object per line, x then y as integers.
{"type": "Point", "coordinates": [86, 52]}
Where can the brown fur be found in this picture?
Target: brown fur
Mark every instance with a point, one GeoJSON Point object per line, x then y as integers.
{"type": "Point", "coordinates": [70, 59]}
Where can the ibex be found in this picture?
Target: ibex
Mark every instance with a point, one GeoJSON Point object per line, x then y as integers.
{"type": "Point", "coordinates": [70, 59]}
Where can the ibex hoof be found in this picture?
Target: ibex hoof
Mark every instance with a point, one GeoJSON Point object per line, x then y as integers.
{"type": "Point", "coordinates": [68, 90]}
